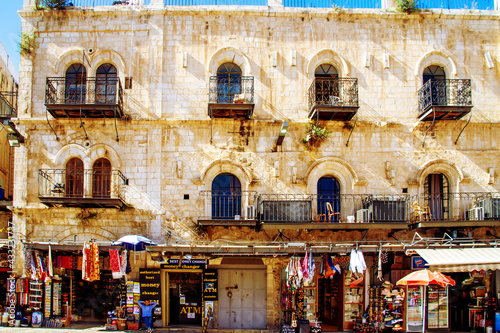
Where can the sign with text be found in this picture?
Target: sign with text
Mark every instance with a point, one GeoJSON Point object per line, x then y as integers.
{"type": "Point", "coordinates": [210, 285]}
{"type": "Point", "coordinates": [150, 281]}
{"type": "Point", "coordinates": [185, 264]}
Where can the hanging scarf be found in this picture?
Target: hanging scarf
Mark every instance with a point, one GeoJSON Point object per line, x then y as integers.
{"type": "Point", "coordinates": [49, 263]}
{"type": "Point", "coordinates": [379, 265]}
{"type": "Point", "coordinates": [114, 263]}
{"type": "Point", "coordinates": [85, 261]}
{"type": "Point", "coordinates": [94, 272]}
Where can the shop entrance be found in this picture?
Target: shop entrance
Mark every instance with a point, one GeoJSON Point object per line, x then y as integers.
{"type": "Point", "coordinates": [330, 305]}
{"type": "Point", "coordinates": [242, 299]}
{"type": "Point", "coordinates": [184, 297]}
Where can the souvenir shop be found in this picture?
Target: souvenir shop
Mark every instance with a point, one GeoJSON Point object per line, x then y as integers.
{"type": "Point", "coordinates": [374, 292]}
{"type": "Point", "coordinates": [65, 283]}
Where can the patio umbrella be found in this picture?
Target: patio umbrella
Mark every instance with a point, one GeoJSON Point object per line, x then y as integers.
{"type": "Point", "coordinates": [424, 278]}
{"type": "Point", "coordinates": [134, 242]}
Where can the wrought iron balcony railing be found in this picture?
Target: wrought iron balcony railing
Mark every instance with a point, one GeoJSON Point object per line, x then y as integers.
{"type": "Point", "coordinates": [333, 98]}
{"type": "Point", "coordinates": [229, 205]}
{"type": "Point", "coordinates": [231, 97]}
{"type": "Point", "coordinates": [442, 94]}
{"type": "Point", "coordinates": [8, 104]}
{"type": "Point", "coordinates": [96, 3]}
{"type": "Point", "coordinates": [306, 208]}
{"type": "Point", "coordinates": [88, 187]}
{"type": "Point", "coordinates": [95, 97]}
{"type": "Point", "coordinates": [234, 90]}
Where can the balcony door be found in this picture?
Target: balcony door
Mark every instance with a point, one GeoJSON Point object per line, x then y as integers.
{"type": "Point", "coordinates": [76, 81]}
{"type": "Point", "coordinates": [74, 178]}
{"type": "Point", "coordinates": [228, 82]}
{"type": "Point", "coordinates": [329, 192]}
{"type": "Point", "coordinates": [327, 85]}
{"type": "Point", "coordinates": [106, 83]}
{"type": "Point", "coordinates": [437, 196]}
{"type": "Point", "coordinates": [101, 182]}
{"type": "Point", "coordinates": [226, 197]}
{"type": "Point", "coordinates": [437, 76]}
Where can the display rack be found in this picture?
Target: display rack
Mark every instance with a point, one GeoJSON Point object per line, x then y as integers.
{"type": "Point", "coordinates": [353, 300]}
{"type": "Point", "coordinates": [36, 295]}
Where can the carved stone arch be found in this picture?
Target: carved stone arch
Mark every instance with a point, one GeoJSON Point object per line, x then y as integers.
{"type": "Point", "coordinates": [328, 56]}
{"type": "Point", "coordinates": [104, 151]}
{"type": "Point", "coordinates": [229, 54]}
{"type": "Point", "coordinates": [70, 151]}
{"type": "Point", "coordinates": [97, 233]}
{"type": "Point", "coordinates": [436, 57]}
{"type": "Point", "coordinates": [108, 57]}
{"type": "Point", "coordinates": [71, 56]}
{"type": "Point", "coordinates": [331, 166]}
{"type": "Point", "coordinates": [221, 166]}
{"type": "Point", "coordinates": [450, 170]}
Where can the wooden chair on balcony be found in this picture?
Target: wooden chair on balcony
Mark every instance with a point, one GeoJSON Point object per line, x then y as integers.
{"type": "Point", "coordinates": [331, 213]}
{"type": "Point", "coordinates": [421, 213]}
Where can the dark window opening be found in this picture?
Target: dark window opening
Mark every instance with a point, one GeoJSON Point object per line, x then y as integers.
{"type": "Point", "coordinates": [226, 196]}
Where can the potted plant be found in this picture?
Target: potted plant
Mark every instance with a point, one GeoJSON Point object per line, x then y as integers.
{"type": "Point", "coordinates": [315, 135]}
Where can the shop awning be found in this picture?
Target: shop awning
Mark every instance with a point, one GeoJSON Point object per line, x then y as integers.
{"type": "Point", "coordinates": [461, 260]}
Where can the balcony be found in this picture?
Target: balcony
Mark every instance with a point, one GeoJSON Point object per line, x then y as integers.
{"type": "Point", "coordinates": [231, 98]}
{"type": "Point", "coordinates": [343, 211]}
{"type": "Point", "coordinates": [444, 100]}
{"type": "Point", "coordinates": [228, 208]}
{"type": "Point", "coordinates": [88, 98]}
{"type": "Point", "coordinates": [470, 209]}
{"type": "Point", "coordinates": [82, 188]}
{"type": "Point", "coordinates": [333, 99]}
{"type": "Point", "coordinates": [8, 105]}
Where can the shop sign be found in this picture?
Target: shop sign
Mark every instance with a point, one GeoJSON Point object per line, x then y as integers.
{"type": "Point", "coordinates": [210, 285]}
{"type": "Point", "coordinates": [150, 281]}
{"type": "Point", "coordinates": [418, 263]}
{"type": "Point", "coordinates": [185, 264]}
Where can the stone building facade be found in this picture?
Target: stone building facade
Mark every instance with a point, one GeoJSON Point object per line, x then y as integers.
{"type": "Point", "coordinates": [168, 143]}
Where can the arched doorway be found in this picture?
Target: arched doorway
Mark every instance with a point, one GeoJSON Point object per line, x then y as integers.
{"type": "Point", "coordinates": [329, 198]}
{"type": "Point", "coordinates": [228, 82]}
{"type": "Point", "coordinates": [437, 77]}
{"type": "Point", "coordinates": [437, 196]}
{"type": "Point", "coordinates": [226, 196]}
{"type": "Point", "coordinates": [74, 178]}
{"type": "Point", "coordinates": [327, 85]}
{"type": "Point", "coordinates": [106, 83]}
{"type": "Point", "coordinates": [75, 87]}
{"type": "Point", "coordinates": [101, 179]}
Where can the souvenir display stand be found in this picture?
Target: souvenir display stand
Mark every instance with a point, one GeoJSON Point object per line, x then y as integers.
{"type": "Point", "coordinates": [415, 315]}
{"type": "Point", "coordinates": [437, 307]}
{"type": "Point", "coordinates": [353, 300]}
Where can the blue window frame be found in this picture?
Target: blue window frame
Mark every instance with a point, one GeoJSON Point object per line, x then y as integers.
{"type": "Point", "coordinates": [226, 196]}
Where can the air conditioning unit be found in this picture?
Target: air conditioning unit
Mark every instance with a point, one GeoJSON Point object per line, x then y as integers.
{"type": "Point", "coordinates": [250, 212]}
{"type": "Point", "coordinates": [476, 214]}
{"type": "Point", "coordinates": [363, 216]}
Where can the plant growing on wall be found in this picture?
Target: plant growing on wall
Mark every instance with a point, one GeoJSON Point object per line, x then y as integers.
{"type": "Point", "coordinates": [315, 135]}
{"type": "Point", "coordinates": [27, 43]}
{"type": "Point", "coordinates": [86, 216]}
{"type": "Point", "coordinates": [406, 6]}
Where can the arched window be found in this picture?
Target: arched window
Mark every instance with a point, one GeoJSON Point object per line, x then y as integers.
{"type": "Point", "coordinates": [226, 196]}
{"type": "Point", "coordinates": [437, 195]}
{"type": "Point", "coordinates": [329, 199]}
{"type": "Point", "coordinates": [228, 82]}
{"type": "Point", "coordinates": [437, 76]}
{"type": "Point", "coordinates": [327, 85]}
{"type": "Point", "coordinates": [101, 180]}
{"type": "Point", "coordinates": [76, 80]}
{"type": "Point", "coordinates": [74, 178]}
{"type": "Point", "coordinates": [106, 84]}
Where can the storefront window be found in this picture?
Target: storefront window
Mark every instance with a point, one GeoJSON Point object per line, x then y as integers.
{"type": "Point", "coordinates": [185, 298]}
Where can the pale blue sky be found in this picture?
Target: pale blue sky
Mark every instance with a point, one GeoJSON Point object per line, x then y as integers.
{"type": "Point", "coordinates": [10, 28]}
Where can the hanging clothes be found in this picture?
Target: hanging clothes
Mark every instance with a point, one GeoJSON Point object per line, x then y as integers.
{"type": "Point", "coordinates": [380, 276]}
{"type": "Point", "coordinates": [94, 272]}
{"type": "Point", "coordinates": [85, 261]}
{"type": "Point", "coordinates": [357, 264]}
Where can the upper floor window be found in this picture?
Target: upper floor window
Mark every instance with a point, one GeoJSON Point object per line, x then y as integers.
{"type": "Point", "coordinates": [228, 82]}
{"type": "Point", "coordinates": [101, 180]}
{"type": "Point", "coordinates": [74, 178]}
{"type": "Point", "coordinates": [106, 83]}
{"type": "Point", "coordinates": [437, 76]}
{"type": "Point", "coordinates": [76, 80]}
{"type": "Point", "coordinates": [226, 196]}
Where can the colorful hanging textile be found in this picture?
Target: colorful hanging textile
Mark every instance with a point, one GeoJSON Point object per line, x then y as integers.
{"type": "Point", "coordinates": [123, 262]}
{"type": "Point", "coordinates": [94, 272]}
{"type": "Point", "coordinates": [85, 261]}
{"type": "Point", "coordinates": [114, 262]}
{"type": "Point", "coordinates": [49, 263]}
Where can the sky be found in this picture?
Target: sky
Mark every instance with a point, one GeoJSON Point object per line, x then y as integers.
{"type": "Point", "coordinates": [10, 28]}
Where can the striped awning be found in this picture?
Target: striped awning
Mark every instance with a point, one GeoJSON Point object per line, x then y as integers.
{"type": "Point", "coordinates": [461, 260]}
